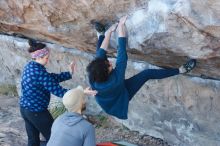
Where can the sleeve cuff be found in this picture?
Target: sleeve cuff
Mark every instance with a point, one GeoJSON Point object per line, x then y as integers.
{"type": "Point", "coordinates": [101, 53]}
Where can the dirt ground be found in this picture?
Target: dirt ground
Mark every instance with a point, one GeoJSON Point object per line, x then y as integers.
{"type": "Point", "coordinates": [12, 131]}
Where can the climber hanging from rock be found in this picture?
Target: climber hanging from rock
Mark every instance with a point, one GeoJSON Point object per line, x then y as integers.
{"type": "Point", "coordinates": [114, 91]}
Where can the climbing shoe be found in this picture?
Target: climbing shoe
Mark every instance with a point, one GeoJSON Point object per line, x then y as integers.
{"type": "Point", "coordinates": [100, 28]}
{"type": "Point", "coordinates": [189, 65]}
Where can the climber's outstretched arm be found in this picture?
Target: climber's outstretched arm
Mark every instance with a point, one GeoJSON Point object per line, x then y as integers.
{"type": "Point", "coordinates": [101, 52]}
{"type": "Point", "coordinates": [108, 33]}
{"type": "Point", "coordinates": [121, 27]}
{"type": "Point", "coordinates": [122, 57]}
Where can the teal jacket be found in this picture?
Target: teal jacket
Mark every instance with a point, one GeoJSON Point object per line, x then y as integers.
{"type": "Point", "coordinates": [112, 95]}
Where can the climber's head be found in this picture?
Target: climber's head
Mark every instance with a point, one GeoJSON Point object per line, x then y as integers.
{"type": "Point", "coordinates": [39, 52]}
{"type": "Point", "coordinates": [99, 70]}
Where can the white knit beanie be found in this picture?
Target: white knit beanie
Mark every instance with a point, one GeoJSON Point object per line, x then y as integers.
{"type": "Point", "coordinates": [73, 99]}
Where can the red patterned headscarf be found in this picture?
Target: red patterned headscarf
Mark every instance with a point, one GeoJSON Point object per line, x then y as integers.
{"type": "Point", "coordinates": [40, 53]}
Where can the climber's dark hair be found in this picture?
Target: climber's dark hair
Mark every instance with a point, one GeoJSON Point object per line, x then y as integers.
{"type": "Point", "coordinates": [98, 70]}
{"type": "Point", "coordinates": [34, 46]}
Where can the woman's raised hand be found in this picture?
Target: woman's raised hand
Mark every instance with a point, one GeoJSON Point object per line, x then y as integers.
{"type": "Point", "coordinates": [72, 67]}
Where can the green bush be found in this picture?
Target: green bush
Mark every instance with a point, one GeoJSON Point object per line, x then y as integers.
{"type": "Point", "coordinates": [56, 108]}
{"type": "Point", "coordinates": [8, 89]}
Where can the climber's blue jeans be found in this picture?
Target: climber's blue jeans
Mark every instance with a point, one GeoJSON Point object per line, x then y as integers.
{"type": "Point", "coordinates": [36, 123]}
{"type": "Point", "coordinates": [134, 83]}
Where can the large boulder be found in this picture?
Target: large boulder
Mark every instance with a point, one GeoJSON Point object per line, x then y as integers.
{"type": "Point", "coordinates": [162, 32]}
{"type": "Point", "coordinates": [182, 110]}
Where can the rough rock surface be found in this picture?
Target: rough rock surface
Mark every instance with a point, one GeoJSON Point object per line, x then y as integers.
{"type": "Point", "coordinates": [182, 110]}
{"type": "Point", "coordinates": [162, 32]}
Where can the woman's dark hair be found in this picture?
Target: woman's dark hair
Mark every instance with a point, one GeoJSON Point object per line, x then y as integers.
{"type": "Point", "coordinates": [34, 46]}
{"type": "Point", "coordinates": [98, 70]}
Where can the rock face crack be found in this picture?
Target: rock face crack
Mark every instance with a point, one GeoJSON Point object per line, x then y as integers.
{"type": "Point", "coordinates": [213, 41]}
